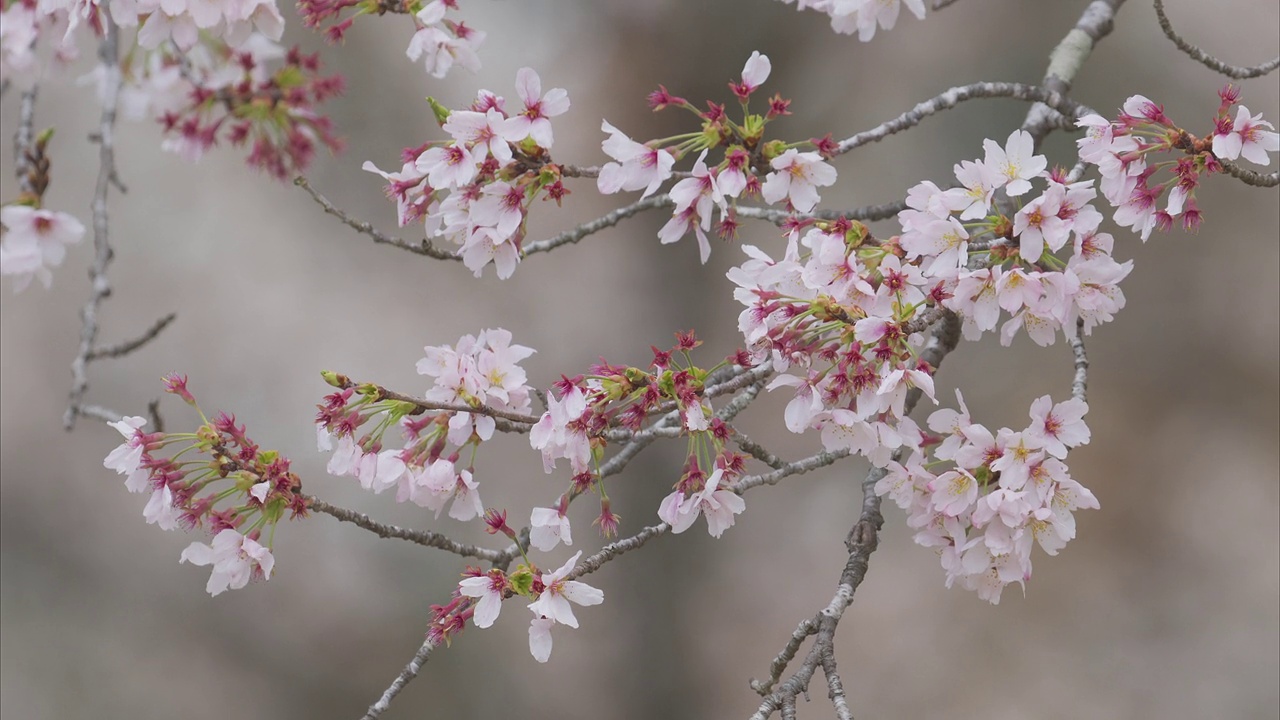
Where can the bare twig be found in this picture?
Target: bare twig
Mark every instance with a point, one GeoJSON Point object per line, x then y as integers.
{"type": "Point", "coordinates": [1236, 72]}
{"type": "Point", "coordinates": [409, 672]}
{"type": "Point", "coordinates": [1095, 23]}
{"type": "Point", "coordinates": [124, 348]}
{"type": "Point", "coordinates": [954, 97]}
{"type": "Point", "coordinates": [100, 288]}
{"type": "Point", "coordinates": [425, 538]}
{"type": "Point", "coordinates": [757, 451]}
{"type": "Point", "coordinates": [600, 223]}
{"type": "Point", "coordinates": [422, 247]}
{"type": "Point", "coordinates": [1249, 177]}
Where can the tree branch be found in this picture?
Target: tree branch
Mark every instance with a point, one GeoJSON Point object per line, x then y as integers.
{"type": "Point", "coordinates": [409, 672]}
{"type": "Point", "coordinates": [956, 95]}
{"type": "Point", "coordinates": [124, 348]}
{"type": "Point", "coordinates": [1249, 177]}
{"type": "Point", "coordinates": [423, 247]}
{"type": "Point", "coordinates": [1235, 72]}
{"type": "Point", "coordinates": [425, 538]}
{"type": "Point", "coordinates": [100, 288]}
{"type": "Point", "coordinates": [1080, 380]}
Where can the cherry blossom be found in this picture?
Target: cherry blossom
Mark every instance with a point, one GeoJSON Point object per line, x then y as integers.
{"type": "Point", "coordinates": [127, 458]}
{"type": "Point", "coordinates": [548, 527]}
{"type": "Point", "coordinates": [235, 559]}
{"type": "Point", "coordinates": [1016, 164]}
{"type": "Point", "coordinates": [638, 166]}
{"type": "Point", "coordinates": [797, 177]}
{"type": "Point", "coordinates": [1249, 137]}
{"type": "Point", "coordinates": [535, 120]}
{"type": "Point", "coordinates": [34, 241]}
{"type": "Point", "coordinates": [490, 589]}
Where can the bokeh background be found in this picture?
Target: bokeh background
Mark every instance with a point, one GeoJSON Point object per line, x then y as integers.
{"type": "Point", "coordinates": [1165, 606]}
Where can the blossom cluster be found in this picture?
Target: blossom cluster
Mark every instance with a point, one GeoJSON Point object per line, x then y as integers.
{"type": "Point", "coordinates": [576, 424]}
{"type": "Point", "coordinates": [438, 42]}
{"type": "Point", "coordinates": [239, 492]}
{"type": "Point", "coordinates": [1124, 151]}
{"type": "Point", "coordinates": [427, 470]}
{"type": "Point", "coordinates": [845, 312]}
{"type": "Point", "coordinates": [257, 95]}
{"type": "Point", "coordinates": [479, 598]}
{"type": "Point", "coordinates": [861, 16]}
{"type": "Point", "coordinates": [790, 176]}
{"type": "Point", "coordinates": [1001, 493]}
{"type": "Point", "coordinates": [476, 189]}
{"type": "Point", "coordinates": [23, 24]}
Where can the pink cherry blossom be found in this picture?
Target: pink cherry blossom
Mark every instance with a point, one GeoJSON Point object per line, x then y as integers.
{"type": "Point", "coordinates": [553, 603]}
{"type": "Point", "coordinates": [1016, 163]}
{"type": "Point", "coordinates": [127, 458]}
{"type": "Point", "coordinates": [1249, 137]}
{"type": "Point", "coordinates": [489, 588]}
{"type": "Point", "coordinates": [1057, 427]}
{"type": "Point", "coordinates": [549, 527]}
{"type": "Point", "coordinates": [718, 506]}
{"type": "Point", "coordinates": [235, 559]}
{"type": "Point", "coordinates": [638, 166]}
{"type": "Point", "coordinates": [35, 241]}
{"type": "Point", "coordinates": [535, 120]}
{"type": "Point", "coordinates": [797, 177]}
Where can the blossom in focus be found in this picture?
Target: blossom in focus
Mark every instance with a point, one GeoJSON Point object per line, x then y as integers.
{"type": "Point", "coordinates": [638, 165]}
{"type": "Point", "coordinates": [489, 589]}
{"type": "Point", "coordinates": [1016, 163]}
{"type": "Point", "coordinates": [235, 559]}
{"type": "Point", "coordinates": [535, 120]}
{"type": "Point", "coordinates": [797, 177]}
{"type": "Point", "coordinates": [1249, 137]}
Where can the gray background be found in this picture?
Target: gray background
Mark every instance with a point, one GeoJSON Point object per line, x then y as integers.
{"type": "Point", "coordinates": [1165, 606]}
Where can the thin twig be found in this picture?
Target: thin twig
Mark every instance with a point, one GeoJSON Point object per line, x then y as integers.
{"type": "Point", "coordinates": [422, 247]}
{"type": "Point", "coordinates": [425, 538]}
{"type": "Point", "coordinates": [957, 95]}
{"type": "Point", "coordinates": [100, 288]}
{"type": "Point", "coordinates": [600, 223]}
{"type": "Point", "coordinates": [409, 672]}
{"type": "Point", "coordinates": [1235, 72]}
{"type": "Point", "coordinates": [124, 348]}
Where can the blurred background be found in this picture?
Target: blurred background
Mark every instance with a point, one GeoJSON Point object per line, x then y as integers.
{"type": "Point", "coordinates": [1166, 605]}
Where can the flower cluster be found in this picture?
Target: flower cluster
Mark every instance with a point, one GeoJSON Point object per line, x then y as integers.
{"type": "Point", "coordinates": [999, 495]}
{"type": "Point", "coordinates": [217, 92]}
{"type": "Point", "coordinates": [479, 598]}
{"type": "Point", "coordinates": [862, 16]}
{"type": "Point", "coordinates": [576, 425]}
{"type": "Point", "coordinates": [33, 241]}
{"type": "Point", "coordinates": [791, 176]}
{"type": "Point", "coordinates": [846, 312]}
{"type": "Point", "coordinates": [184, 21]}
{"type": "Point", "coordinates": [237, 494]}
{"type": "Point", "coordinates": [438, 42]}
{"type": "Point", "coordinates": [480, 371]}
{"type": "Point", "coordinates": [1134, 182]}
{"type": "Point", "coordinates": [476, 189]}
{"type": "Point", "coordinates": [23, 24]}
